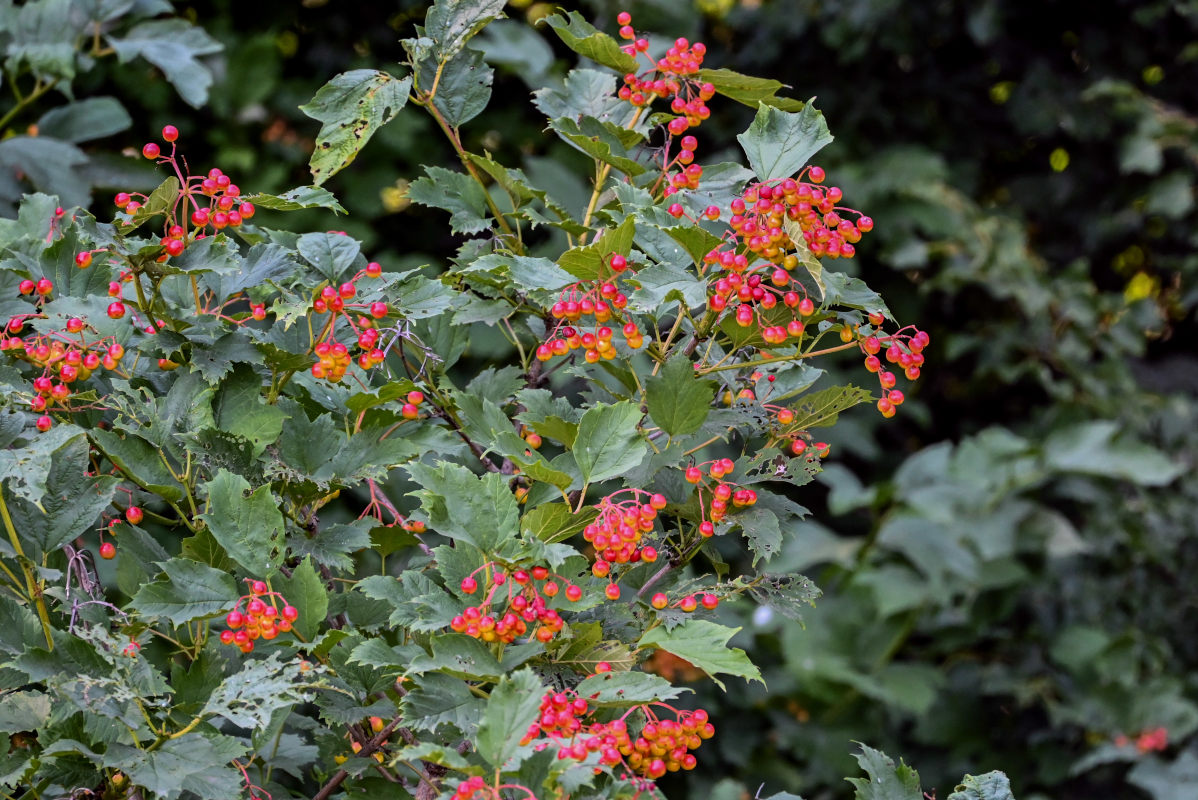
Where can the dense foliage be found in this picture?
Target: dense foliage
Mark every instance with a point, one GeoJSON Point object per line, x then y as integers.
{"type": "Point", "coordinates": [1003, 568]}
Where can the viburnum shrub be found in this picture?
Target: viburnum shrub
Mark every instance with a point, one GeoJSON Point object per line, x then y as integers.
{"type": "Point", "coordinates": [335, 560]}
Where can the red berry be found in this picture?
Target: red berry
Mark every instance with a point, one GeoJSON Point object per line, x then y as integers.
{"type": "Point", "coordinates": [26, 287]}
{"type": "Point", "coordinates": [624, 18]}
{"type": "Point", "coordinates": [618, 263]}
{"type": "Point", "coordinates": [169, 133]}
{"type": "Point", "coordinates": [602, 667]}
{"type": "Point", "coordinates": [83, 260]}
{"type": "Point", "coordinates": [151, 150]}
{"type": "Point", "coordinates": [659, 601]}
{"type": "Point", "coordinates": [45, 286]}
{"type": "Point", "coordinates": [290, 613]}
{"type": "Point", "coordinates": [373, 269]}
{"type": "Point", "coordinates": [258, 587]}
{"type": "Point", "coordinates": [134, 515]}
{"type": "Point", "coordinates": [378, 310]}
{"type": "Point", "coordinates": [107, 551]}
{"type": "Point", "coordinates": [573, 593]}
{"type": "Point", "coordinates": [44, 423]}
{"type": "Point", "coordinates": [612, 591]}
{"type": "Point", "coordinates": [816, 174]}
{"type": "Point", "coordinates": [469, 585]}
{"type": "Point", "coordinates": [710, 601]}
{"type": "Point", "coordinates": [116, 310]}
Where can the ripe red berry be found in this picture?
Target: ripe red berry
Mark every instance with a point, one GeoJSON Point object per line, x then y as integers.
{"type": "Point", "coordinates": [612, 591]}
{"type": "Point", "coordinates": [816, 174]}
{"type": "Point", "coordinates": [290, 613]}
{"type": "Point", "coordinates": [688, 603]}
{"type": "Point", "coordinates": [170, 133]}
{"type": "Point", "coordinates": [624, 18]}
{"type": "Point", "coordinates": [373, 269]}
{"type": "Point", "coordinates": [618, 263]}
{"type": "Point", "coordinates": [44, 423]}
{"type": "Point", "coordinates": [378, 310]}
{"type": "Point", "coordinates": [258, 587]}
{"type": "Point", "coordinates": [659, 601]}
{"type": "Point", "coordinates": [45, 286]}
{"type": "Point", "coordinates": [710, 601]}
{"type": "Point", "coordinates": [26, 286]}
{"type": "Point", "coordinates": [107, 551]}
{"type": "Point", "coordinates": [602, 667]}
{"type": "Point", "coordinates": [573, 593]}
{"type": "Point", "coordinates": [116, 310]}
{"type": "Point", "coordinates": [83, 260]}
{"type": "Point", "coordinates": [151, 151]}
{"type": "Point", "coordinates": [134, 515]}
{"type": "Point", "coordinates": [469, 585]}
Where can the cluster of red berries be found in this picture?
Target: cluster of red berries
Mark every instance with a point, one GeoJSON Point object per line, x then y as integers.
{"type": "Point", "coordinates": [600, 300]}
{"type": "Point", "coordinates": [1149, 741]}
{"type": "Point", "coordinates": [903, 349]}
{"type": "Point", "coordinates": [624, 517]}
{"type": "Point", "coordinates": [333, 356]}
{"type": "Point", "coordinates": [262, 618]}
{"type": "Point", "coordinates": [65, 358]}
{"type": "Point", "coordinates": [758, 253]}
{"type": "Point", "coordinates": [670, 76]}
{"type": "Point", "coordinates": [521, 604]}
{"type": "Point", "coordinates": [720, 493]}
{"type": "Point", "coordinates": [662, 745]}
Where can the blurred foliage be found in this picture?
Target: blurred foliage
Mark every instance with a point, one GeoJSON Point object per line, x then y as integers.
{"type": "Point", "coordinates": [1007, 570]}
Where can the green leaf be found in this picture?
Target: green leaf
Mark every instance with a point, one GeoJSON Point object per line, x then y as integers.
{"type": "Point", "coordinates": [174, 46]}
{"type": "Point", "coordinates": [84, 120]}
{"type": "Point", "coordinates": [41, 34]}
{"type": "Point", "coordinates": [332, 254]}
{"type": "Point", "coordinates": [513, 705]}
{"type": "Point", "coordinates": [803, 252]}
{"type": "Point", "coordinates": [71, 504]}
{"type": "Point", "coordinates": [779, 143]}
{"type": "Point", "coordinates": [140, 460]}
{"type": "Point", "coordinates": [24, 711]}
{"type": "Point", "coordinates": [843, 290]}
{"type": "Point", "coordinates": [455, 192]}
{"type": "Point", "coordinates": [1175, 780]}
{"type": "Point", "coordinates": [992, 786]}
{"type": "Point", "coordinates": [747, 89]}
{"type": "Point", "coordinates": [249, 697]}
{"type": "Point", "coordinates": [608, 441]}
{"type": "Point", "coordinates": [461, 656]}
{"type": "Point", "coordinates": [885, 782]}
{"type": "Point", "coordinates": [789, 595]}
{"type": "Point", "coordinates": [240, 409]}
{"type": "Point", "coordinates": [678, 401]}
{"type": "Point", "coordinates": [263, 263]}
{"type": "Point", "coordinates": [50, 165]}
{"type": "Point", "coordinates": [627, 688]}
{"type": "Point", "coordinates": [1096, 448]}
{"type": "Point", "coordinates": [307, 592]}
{"type": "Point", "coordinates": [583, 38]}
{"type": "Point", "coordinates": [601, 140]}
{"type": "Point", "coordinates": [590, 262]}
{"type": "Point", "coordinates": [298, 198]}
{"type": "Point", "coordinates": [441, 700]}
{"type": "Point", "coordinates": [704, 644]}
{"type": "Point", "coordinates": [352, 106]}
{"type": "Point", "coordinates": [661, 284]}
{"type": "Point", "coordinates": [482, 511]}
{"type": "Point", "coordinates": [191, 590]}
{"type": "Point", "coordinates": [452, 23]}
{"type": "Point", "coordinates": [248, 526]}
{"type": "Point", "coordinates": [555, 522]}
{"type": "Point", "coordinates": [464, 88]}
{"type": "Point", "coordinates": [194, 762]}
{"type": "Point", "coordinates": [822, 408]}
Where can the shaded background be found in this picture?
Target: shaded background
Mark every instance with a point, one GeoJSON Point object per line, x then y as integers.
{"type": "Point", "coordinates": [1008, 566]}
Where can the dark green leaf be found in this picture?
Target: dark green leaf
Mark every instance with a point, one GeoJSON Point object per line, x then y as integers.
{"type": "Point", "coordinates": [823, 407]}
{"type": "Point", "coordinates": [601, 140]}
{"type": "Point", "coordinates": [627, 688]}
{"type": "Point", "coordinates": [779, 143]}
{"type": "Point", "coordinates": [747, 89]}
{"type": "Point", "coordinates": [885, 781]}
{"type": "Point", "coordinates": [991, 786]}
{"type": "Point", "coordinates": [583, 38]}
{"type": "Point", "coordinates": [240, 409]}
{"type": "Point", "coordinates": [513, 705]}
{"type": "Point", "coordinates": [195, 762]}
{"type": "Point", "coordinates": [332, 254]}
{"type": "Point", "coordinates": [452, 23]}
{"type": "Point", "coordinates": [191, 590]}
{"type": "Point", "coordinates": [678, 401]}
{"type": "Point", "coordinates": [609, 441]}
{"type": "Point", "coordinates": [84, 120]}
{"type": "Point", "coordinates": [174, 46]}
{"type": "Point", "coordinates": [248, 525]}
{"type": "Point", "coordinates": [464, 89]}
{"type": "Point", "coordinates": [307, 592]}
{"type": "Point", "coordinates": [298, 198]}
{"type": "Point", "coordinates": [704, 644]}
{"type": "Point", "coordinates": [482, 511]}
{"type": "Point", "coordinates": [455, 192]}
{"type": "Point", "coordinates": [139, 460]}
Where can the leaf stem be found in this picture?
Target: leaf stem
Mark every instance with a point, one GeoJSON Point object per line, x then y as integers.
{"type": "Point", "coordinates": [31, 584]}
{"type": "Point", "coordinates": [782, 359]}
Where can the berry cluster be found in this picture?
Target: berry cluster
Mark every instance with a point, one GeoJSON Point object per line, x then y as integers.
{"type": "Point", "coordinates": [522, 603]}
{"type": "Point", "coordinates": [333, 356]}
{"type": "Point", "coordinates": [670, 76]}
{"type": "Point", "coordinates": [687, 603]}
{"type": "Point", "coordinates": [600, 300]}
{"type": "Point", "coordinates": [624, 517]}
{"type": "Point", "coordinates": [64, 357]}
{"type": "Point", "coordinates": [133, 515]}
{"type": "Point", "coordinates": [262, 617]}
{"type": "Point", "coordinates": [903, 349]}
{"type": "Point", "coordinates": [759, 252]}
{"type": "Point", "coordinates": [1149, 741]}
{"type": "Point", "coordinates": [719, 492]}
{"type": "Point", "coordinates": [662, 745]}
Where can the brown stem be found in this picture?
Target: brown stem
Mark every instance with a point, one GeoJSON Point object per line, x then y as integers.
{"type": "Point", "coordinates": [368, 749]}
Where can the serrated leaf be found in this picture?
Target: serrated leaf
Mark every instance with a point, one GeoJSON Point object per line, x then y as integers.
{"type": "Point", "coordinates": [452, 23]}
{"type": "Point", "coordinates": [461, 656]}
{"type": "Point", "coordinates": [24, 711]}
{"type": "Point", "coordinates": [823, 407]}
{"type": "Point", "coordinates": [249, 697]}
{"type": "Point", "coordinates": [990, 786]}
{"type": "Point", "coordinates": [583, 38]}
{"type": "Point", "coordinates": [609, 441]}
{"type": "Point", "coordinates": [704, 644]}
{"type": "Point", "coordinates": [844, 290]}
{"type": "Point", "coordinates": [786, 594]}
{"type": "Point", "coordinates": [194, 762]}
{"type": "Point", "coordinates": [886, 781]}
{"type": "Point", "coordinates": [307, 592]}
{"type": "Point", "coordinates": [455, 192]}
{"type": "Point", "coordinates": [441, 700]}
{"type": "Point", "coordinates": [175, 47]}
{"type": "Point", "coordinates": [660, 284]}
{"type": "Point", "coordinates": [747, 89]}
{"type": "Point", "coordinates": [803, 252]}
{"type": "Point", "coordinates": [678, 401]}
{"type": "Point", "coordinates": [590, 262]}
{"type": "Point", "coordinates": [298, 198]}
{"type": "Point", "coordinates": [332, 254]}
{"type": "Point", "coordinates": [556, 522]}
{"type": "Point", "coordinates": [50, 165]}
{"type": "Point", "coordinates": [482, 511]}
{"type": "Point", "coordinates": [352, 106]}
{"type": "Point", "coordinates": [239, 408]}
{"type": "Point", "coordinates": [513, 705]}
{"type": "Point", "coordinates": [627, 688]}
{"type": "Point", "coordinates": [601, 140]}
{"type": "Point", "coordinates": [248, 525]}
{"type": "Point", "coordinates": [464, 88]}
{"type": "Point", "coordinates": [191, 590]}
{"type": "Point", "coordinates": [139, 460]}
{"type": "Point", "coordinates": [779, 143]}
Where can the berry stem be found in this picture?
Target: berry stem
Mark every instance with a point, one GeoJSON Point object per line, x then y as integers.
{"type": "Point", "coordinates": [601, 178]}
{"type": "Point", "coordinates": [767, 361]}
